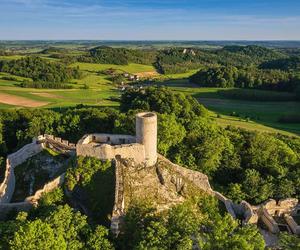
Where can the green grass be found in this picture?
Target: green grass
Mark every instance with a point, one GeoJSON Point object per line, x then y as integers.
{"type": "Point", "coordinates": [225, 121]}
{"type": "Point", "coordinates": [130, 68]}
{"type": "Point", "coordinates": [263, 115]}
{"type": "Point", "coordinates": [14, 57]}
{"type": "Point", "coordinates": [266, 113]}
{"type": "Point", "coordinates": [9, 82]}
{"type": "Point", "coordinates": [6, 106]}
{"type": "Point", "coordinates": [181, 75]}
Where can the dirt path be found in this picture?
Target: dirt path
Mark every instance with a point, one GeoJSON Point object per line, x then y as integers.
{"type": "Point", "coordinates": [20, 101]}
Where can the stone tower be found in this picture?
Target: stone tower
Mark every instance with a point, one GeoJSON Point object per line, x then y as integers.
{"type": "Point", "coordinates": [146, 134]}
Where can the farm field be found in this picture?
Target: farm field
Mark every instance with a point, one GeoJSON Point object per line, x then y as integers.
{"type": "Point", "coordinates": [61, 98]}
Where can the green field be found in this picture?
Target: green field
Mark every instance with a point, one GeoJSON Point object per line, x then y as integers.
{"type": "Point", "coordinates": [130, 68]}
{"type": "Point", "coordinates": [227, 106]}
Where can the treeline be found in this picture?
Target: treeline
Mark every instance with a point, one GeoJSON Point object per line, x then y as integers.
{"type": "Point", "coordinates": [45, 85]}
{"type": "Point", "coordinates": [119, 56]}
{"type": "Point", "coordinates": [4, 52]}
{"type": "Point", "coordinates": [230, 76]}
{"type": "Point", "coordinates": [40, 70]}
{"type": "Point", "coordinates": [177, 60]}
{"type": "Point", "coordinates": [286, 64]}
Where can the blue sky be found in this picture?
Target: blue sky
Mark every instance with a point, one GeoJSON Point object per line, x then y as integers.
{"type": "Point", "coordinates": [150, 20]}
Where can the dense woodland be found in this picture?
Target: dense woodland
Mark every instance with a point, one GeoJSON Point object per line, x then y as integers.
{"type": "Point", "coordinates": [40, 71]}
{"type": "Point", "coordinates": [119, 56]}
{"type": "Point", "coordinates": [230, 76]}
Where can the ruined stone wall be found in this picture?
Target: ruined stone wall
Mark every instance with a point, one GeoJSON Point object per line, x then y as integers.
{"type": "Point", "coordinates": [227, 202]}
{"type": "Point", "coordinates": [108, 152]}
{"type": "Point", "coordinates": [295, 228]}
{"type": "Point", "coordinates": [8, 185]}
{"type": "Point", "coordinates": [269, 221]}
{"type": "Point", "coordinates": [119, 205]}
{"type": "Point", "coordinates": [6, 208]}
{"type": "Point", "coordinates": [284, 206]}
{"type": "Point", "coordinates": [199, 179]}
{"type": "Point", "coordinates": [50, 186]}
{"type": "Point", "coordinates": [107, 138]}
{"type": "Point", "coordinates": [249, 215]}
{"type": "Point", "coordinates": [58, 144]}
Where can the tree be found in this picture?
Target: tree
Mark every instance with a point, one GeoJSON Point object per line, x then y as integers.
{"type": "Point", "coordinates": [256, 188]}
{"type": "Point", "coordinates": [170, 132]}
{"type": "Point", "coordinates": [289, 241]}
{"type": "Point", "coordinates": [98, 239]}
{"type": "Point", "coordinates": [51, 198]}
{"type": "Point", "coordinates": [69, 225]}
{"type": "Point", "coordinates": [225, 234]}
{"type": "Point", "coordinates": [183, 223]}
{"type": "Point", "coordinates": [202, 147]}
{"type": "Point", "coordinates": [235, 192]}
{"type": "Point", "coordinates": [40, 70]}
{"type": "Point", "coordinates": [163, 101]}
{"type": "Point", "coordinates": [268, 155]}
{"type": "Point", "coordinates": [154, 237]}
{"type": "Point", "coordinates": [37, 235]}
{"type": "Point", "coordinates": [223, 77]}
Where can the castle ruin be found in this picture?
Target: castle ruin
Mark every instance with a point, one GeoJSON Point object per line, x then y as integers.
{"type": "Point", "coordinates": [141, 147]}
{"type": "Point", "coordinates": [140, 150]}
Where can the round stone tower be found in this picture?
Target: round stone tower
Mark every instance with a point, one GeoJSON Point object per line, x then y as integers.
{"type": "Point", "coordinates": [146, 134]}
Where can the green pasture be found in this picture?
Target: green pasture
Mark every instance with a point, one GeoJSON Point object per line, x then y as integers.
{"type": "Point", "coordinates": [237, 106]}
{"type": "Point", "coordinates": [225, 121]}
{"type": "Point", "coordinates": [180, 75]}
{"type": "Point", "coordinates": [66, 98]}
{"type": "Point", "coordinates": [130, 68]}
{"type": "Point", "coordinates": [14, 57]}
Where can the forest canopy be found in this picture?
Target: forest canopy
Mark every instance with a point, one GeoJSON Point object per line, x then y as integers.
{"type": "Point", "coordinates": [39, 70]}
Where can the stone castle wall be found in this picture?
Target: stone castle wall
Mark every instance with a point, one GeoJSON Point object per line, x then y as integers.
{"type": "Point", "coordinates": [112, 139]}
{"type": "Point", "coordinates": [295, 228]}
{"type": "Point", "coordinates": [58, 144]}
{"type": "Point", "coordinates": [8, 185]}
{"type": "Point", "coordinates": [199, 179]}
{"type": "Point", "coordinates": [269, 221]}
{"type": "Point", "coordinates": [227, 202]}
{"type": "Point", "coordinates": [133, 151]}
{"type": "Point", "coordinates": [119, 205]}
{"type": "Point", "coordinates": [250, 216]}
{"type": "Point", "coordinates": [50, 186]}
{"type": "Point", "coordinates": [6, 208]}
